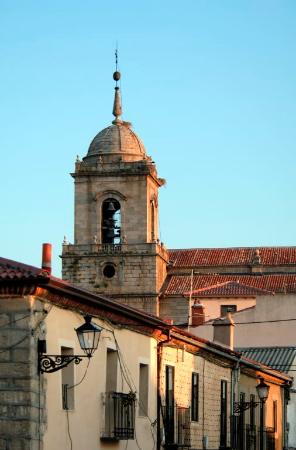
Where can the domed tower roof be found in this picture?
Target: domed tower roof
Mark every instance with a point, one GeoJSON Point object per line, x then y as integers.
{"type": "Point", "coordinates": [118, 142]}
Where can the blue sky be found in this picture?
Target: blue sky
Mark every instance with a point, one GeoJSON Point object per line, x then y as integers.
{"type": "Point", "coordinates": [208, 85]}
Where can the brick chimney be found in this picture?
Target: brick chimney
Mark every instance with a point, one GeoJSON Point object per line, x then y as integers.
{"type": "Point", "coordinates": [224, 331]}
{"type": "Point", "coordinates": [197, 314]}
{"type": "Point", "coordinates": [46, 258]}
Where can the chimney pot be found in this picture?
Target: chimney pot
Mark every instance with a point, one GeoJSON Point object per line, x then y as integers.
{"type": "Point", "coordinates": [197, 315]}
{"type": "Point", "coordinates": [224, 331]}
{"type": "Point", "coordinates": [46, 258]}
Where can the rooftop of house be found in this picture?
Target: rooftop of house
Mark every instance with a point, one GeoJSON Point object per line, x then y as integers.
{"type": "Point", "coordinates": [179, 285]}
{"type": "Point", "coordinates": [279, 358]}
{"type": "Point", "coordinates": [14, 275]}
{"type": "Point", "coordinates": [228, 289]}
{"type": "Point", "coordinates": [12, 270]}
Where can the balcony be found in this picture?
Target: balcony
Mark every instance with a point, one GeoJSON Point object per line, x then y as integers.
{"type": "Point", "coordinates": [247, 437]}
{"type": "Point", "coordinates": [119, 416]}
{"type": "Point", "coordinates": [177, 420]}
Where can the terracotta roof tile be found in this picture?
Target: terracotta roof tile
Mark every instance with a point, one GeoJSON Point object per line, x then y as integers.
{"type": "Point", "coordinates": [180, 284]}
{"type": "Point", "coordinates": [228, 289]}
{"type": "Point", "coordinates": [12, 273]}
{"type": "Point", "coordinates": [13, 270]}
{"type": "Point", "coordinates": [231, 256]}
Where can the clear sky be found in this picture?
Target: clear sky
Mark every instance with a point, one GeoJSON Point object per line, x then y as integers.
{"type": "Point", "coordinates": [209, 86]}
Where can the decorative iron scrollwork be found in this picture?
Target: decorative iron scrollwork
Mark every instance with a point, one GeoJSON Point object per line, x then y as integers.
{"type": "Point", "coordinates": [239, 407]}
{"type": "Point", "coordinates": [52, 363]}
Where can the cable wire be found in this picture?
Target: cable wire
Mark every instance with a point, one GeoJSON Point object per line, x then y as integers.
{"type": "Point", "coordinates": [68, 429]}
{"type": "Point", "coordinates": [132, 386]}
{"type": "Point", "coordinates": [84, 375]}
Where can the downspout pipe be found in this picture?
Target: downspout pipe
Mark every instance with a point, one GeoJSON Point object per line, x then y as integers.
{"type": "Point", "coordinates": [159, 361]}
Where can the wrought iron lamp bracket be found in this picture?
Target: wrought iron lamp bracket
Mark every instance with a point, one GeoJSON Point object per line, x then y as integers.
{"type": "Point", "coordinates": [240, 407]}
{"type": "Point", "coordinates": [53, 363]}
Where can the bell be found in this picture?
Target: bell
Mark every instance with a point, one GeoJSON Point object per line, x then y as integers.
{"type": "Point", "coordinates": [111, 207]}
{"type": "Point", "coordinates": [110, 233]}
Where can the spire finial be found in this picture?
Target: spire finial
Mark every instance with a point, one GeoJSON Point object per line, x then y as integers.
{"type": "Point", "coordinates": [117, 109]}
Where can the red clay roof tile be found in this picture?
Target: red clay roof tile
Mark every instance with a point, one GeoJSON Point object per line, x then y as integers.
{"type": "Point", "coordinates": [13, 270]}
{"type": "Point", "coordinates": [180, 284]}
{"type": "Point", "coordinates": [231, 256]}
{"type": "Point", "coordinates": [228, 289]}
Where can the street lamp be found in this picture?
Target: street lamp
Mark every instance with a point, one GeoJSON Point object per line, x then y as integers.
{"type": "Point", "coordinates": [262, 390]}
{"type": "Point", "coordinates": [239, 407]}
{"type": "Point", "coordinates": [88, 336]}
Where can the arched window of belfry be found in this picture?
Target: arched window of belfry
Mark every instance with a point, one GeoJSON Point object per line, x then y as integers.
{"type": "Point", "coordinates": [152, 220]}
{"type": "Point", "coordinates": [111, 221]}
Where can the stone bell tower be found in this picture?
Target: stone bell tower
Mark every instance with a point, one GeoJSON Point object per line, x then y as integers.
{"type": "Point", "coordinates": [116, 251]}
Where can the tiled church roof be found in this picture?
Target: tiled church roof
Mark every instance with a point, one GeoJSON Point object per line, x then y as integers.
{"type": "Point", "coordinates": [232, 256]}
{"type": "Point", "coordinates": [228, 289]}
{"type": "Point", "coordinates": [180, 284]}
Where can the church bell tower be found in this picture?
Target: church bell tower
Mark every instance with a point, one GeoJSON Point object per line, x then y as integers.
{"type": "Point", "coordinates": [116, 250]}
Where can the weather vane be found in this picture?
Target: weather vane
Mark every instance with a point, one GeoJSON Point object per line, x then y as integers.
{"type": "Point", "coordinates": [117, 76]}
{"type": "Point", "coordinates": [116, 56]}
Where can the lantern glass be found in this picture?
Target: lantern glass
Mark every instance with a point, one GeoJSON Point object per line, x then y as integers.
{"type": "Point", "coordinates": [262, 390]}
{"type": "Point", "coordinates": [88, 335]}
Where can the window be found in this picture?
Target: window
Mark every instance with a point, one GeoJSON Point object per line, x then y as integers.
{"type": "Point", "coordinates": [111, 370]}
{"type": "Point", "coordinates": [111, 221]}
{"type": "Point", "coordinates": [223, 416]}
{"type": "Point", "coordinates": [194, 397]}
{"type": "Point", "coordinates": [143, 389]}
{"type": "Point", "coordinates": [109, 271]}
{"type": "Point", "coordinates": [152, 219]}
{"type": "Point", "coordinates": [241, 423]}
{"type": "Point", "coordinates": [67, 381]}
{"type": "Point", "coordinates": [252, 411]}
{"type": "Point", "coordinates": [169, 416]}
{"type": "Point", "coordinates": [224, 309]}
{"type": "Point", "coordinates": [275, 415]}
{"type": "Point", "coordinates": [111, 387]}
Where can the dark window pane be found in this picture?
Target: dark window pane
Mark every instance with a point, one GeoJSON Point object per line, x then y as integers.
{"type": "Point", "coordinates": [194, 397]}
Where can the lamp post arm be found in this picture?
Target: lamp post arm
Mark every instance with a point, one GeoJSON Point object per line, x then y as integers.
{"type": "Point", "coordinates": [239, 407]}
{"type": "Point", "coordinates": [53, 363]}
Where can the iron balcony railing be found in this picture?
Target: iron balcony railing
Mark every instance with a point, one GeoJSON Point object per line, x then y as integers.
{"type": "Point", "coordinates": [247, 437]}
{"type": "Point", "coordinates": [176, 421]}
{"type": "Point", "coordinates": [119, 415]}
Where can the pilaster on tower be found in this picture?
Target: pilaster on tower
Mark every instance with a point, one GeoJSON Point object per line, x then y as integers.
{"type": "Point", "coordinates": [116, 250]}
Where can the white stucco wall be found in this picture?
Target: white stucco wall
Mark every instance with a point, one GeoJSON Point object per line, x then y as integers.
{"type": "Point", "coordinates": [85, 421]}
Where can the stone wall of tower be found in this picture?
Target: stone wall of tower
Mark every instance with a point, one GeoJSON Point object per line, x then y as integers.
{"type": "Point", "coordinates": [133, 185]}
{"type": "Point", "coordinates": [140, 271]}
{"type": "Point", "coordinates": [139, 262]}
